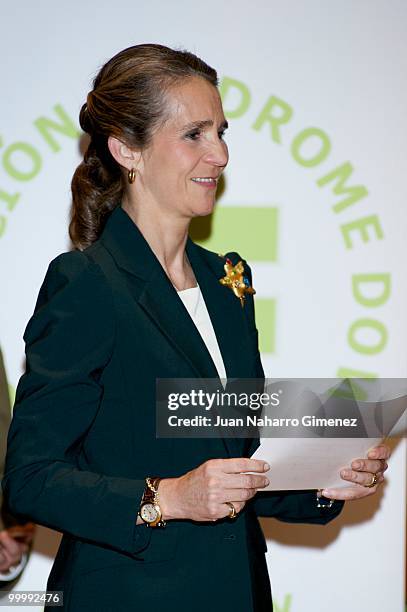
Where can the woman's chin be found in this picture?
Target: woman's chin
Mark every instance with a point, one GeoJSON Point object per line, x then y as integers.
{"type": "Point", "coordinates": [203, 210]}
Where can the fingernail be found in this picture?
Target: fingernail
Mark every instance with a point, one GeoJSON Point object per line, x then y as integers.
{"type": "Point", "coordinates": [326, 492]}
{"type": "Point", "coordinates": [356, 465]}
{"type": "Point", "coordinates": [266, 482]}
{"type": "Point", "coordinates": [266, 467]}
{"type": "Point", "coordinates": [345, 473]}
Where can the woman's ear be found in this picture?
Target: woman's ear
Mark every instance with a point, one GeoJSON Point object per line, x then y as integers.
{"type": "Point", "coordinates": [125, 157]}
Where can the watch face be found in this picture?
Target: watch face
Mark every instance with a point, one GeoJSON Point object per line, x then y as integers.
{"type": "Point", "coordinates": [149, 513]}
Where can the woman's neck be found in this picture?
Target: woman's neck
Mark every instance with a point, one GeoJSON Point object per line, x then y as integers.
{"type": "Point", "coordinates": [167, 238]}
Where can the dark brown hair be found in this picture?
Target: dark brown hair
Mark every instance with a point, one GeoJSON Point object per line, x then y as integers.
{"type": "Point", "coordinates": [128, 102]}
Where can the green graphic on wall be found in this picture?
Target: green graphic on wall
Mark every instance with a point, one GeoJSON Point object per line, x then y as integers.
{"type": "Point", "coordinates": [253, 233]}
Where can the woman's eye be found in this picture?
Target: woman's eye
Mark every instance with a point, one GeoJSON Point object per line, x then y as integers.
{"type": "Point", "coordinates": [193, 135]}
{"type": "Point", "coordinates": [197, 133]}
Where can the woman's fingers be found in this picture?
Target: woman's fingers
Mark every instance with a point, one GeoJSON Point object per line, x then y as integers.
{"type": "Point", "coordinates": [201, 494]}
{"type": "Point", "coordinates": [349, 493]}
{"type": "Point", "coordinates": [5, 563]}
{"type": "Point", "coordinates": [221, 509]}
{"type": "Point", "coordinates": [379, 452]}
{"type": "Point", "coordinates": [231, 485]}
{"type": "Point", "coordinates": [243, 481]}
{"type": "Point", "coordinates": [9, 545]}
{"type": "Point", "coordinates": [10, 551]}
{"type": "Point", "coordinates": [237, 465]}
{"type": "Point", "coordinates": [362, 478]}
{"type": "Point", "coordinates": [238, 495]}
{"type": "Point", "coordinates": [227, 486]}
{"type": "Point", "coordinates": [363, 473]}
{"type": "Point", "coordinates": [374, 466]}
{"type": "Point", "coordinates": [226, 509]}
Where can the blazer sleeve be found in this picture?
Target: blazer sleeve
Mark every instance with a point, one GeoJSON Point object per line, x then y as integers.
{"type": "Point", "coordinates": [290, 506]}
{"type": "Point", "coordinates": [69, 341]}
{"type": "Point", "coordinates": [294, 507]}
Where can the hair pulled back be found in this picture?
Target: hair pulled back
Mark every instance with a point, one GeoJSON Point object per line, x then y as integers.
{"type": "Point", "coordinates": [127, 102]}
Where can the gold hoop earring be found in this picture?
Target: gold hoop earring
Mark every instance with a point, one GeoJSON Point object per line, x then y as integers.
{"type": "Point", "coordinates": [131, 175]}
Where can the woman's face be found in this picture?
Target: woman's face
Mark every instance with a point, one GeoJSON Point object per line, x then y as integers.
{"type": "Point", "coordinates": [178, 172]}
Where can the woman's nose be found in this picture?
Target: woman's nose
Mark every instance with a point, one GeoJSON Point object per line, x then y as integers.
{"type": "Point", "coordinates": [218, 154]}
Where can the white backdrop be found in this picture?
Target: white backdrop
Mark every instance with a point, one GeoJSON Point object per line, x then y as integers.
{"type": "Point", "coordinates": [335, 67]}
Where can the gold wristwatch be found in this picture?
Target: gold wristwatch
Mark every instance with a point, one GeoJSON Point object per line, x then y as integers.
{"type": "Point", "coordinates": [150, 511]}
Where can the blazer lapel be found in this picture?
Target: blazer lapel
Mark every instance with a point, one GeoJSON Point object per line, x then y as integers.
{"type": "Point", "coordinates": [161, 303]}
{"type": "Point", "coordinates": [227, 315]}
{"type": "Point", "coordinates": [154, 292]}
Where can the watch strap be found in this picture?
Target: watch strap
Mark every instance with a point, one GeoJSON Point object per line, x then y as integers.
{"type": "Point", "coordinates": [150, 495]}
{"type": "Point", "coordinates": [152, 483]}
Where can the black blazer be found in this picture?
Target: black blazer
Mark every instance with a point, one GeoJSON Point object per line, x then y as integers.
{"type": "Point", "coordinates": [107, 323]}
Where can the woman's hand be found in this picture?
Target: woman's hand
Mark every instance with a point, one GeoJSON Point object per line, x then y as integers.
{"type": "Point", "coordinates": [13, 543]}
{"type": "Point", "coordinates": [362, 473]}
{"type": "Point", "coordinates": [202, 493]}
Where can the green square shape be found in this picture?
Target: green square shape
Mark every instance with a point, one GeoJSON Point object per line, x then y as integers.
{"type": "Point", "coordinates": [249, 230]}
{"type": "Point", "coordinates": [266, 323]}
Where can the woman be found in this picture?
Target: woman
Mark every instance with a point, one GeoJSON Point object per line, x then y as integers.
{"type": "Point", "coordinates": [112, 317]}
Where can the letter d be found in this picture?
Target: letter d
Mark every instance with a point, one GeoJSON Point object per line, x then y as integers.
{"type": "Point", "coordinates": [241, 95]}
{"type": "Point", "coordinates": [379, 282]}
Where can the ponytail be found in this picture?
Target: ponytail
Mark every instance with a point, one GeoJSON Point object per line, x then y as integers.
{"type": "Point", "coordinates": [96, 190]}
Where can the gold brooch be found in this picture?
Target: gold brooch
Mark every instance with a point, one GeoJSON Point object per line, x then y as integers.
{"type": "Point", "coordinates": [235, 280]}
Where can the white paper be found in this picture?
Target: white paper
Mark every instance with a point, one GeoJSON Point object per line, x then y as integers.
{"type": "Point", "coordinates": [310, 463]}
{"type": "Point", "coordinates": [315, 462]}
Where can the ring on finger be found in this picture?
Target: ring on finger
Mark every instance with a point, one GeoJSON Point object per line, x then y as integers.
{"type": "Point", "coordinates": [232, 511]}
{"type": "Point", "coordinates": [373, 482]}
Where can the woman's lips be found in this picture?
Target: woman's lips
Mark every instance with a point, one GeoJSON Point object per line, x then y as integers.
{"type": "Point", "coordinates": [209, 183]}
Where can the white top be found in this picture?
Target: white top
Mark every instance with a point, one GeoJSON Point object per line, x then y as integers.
{"type": "Point", "coordinates": [195, 304]}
